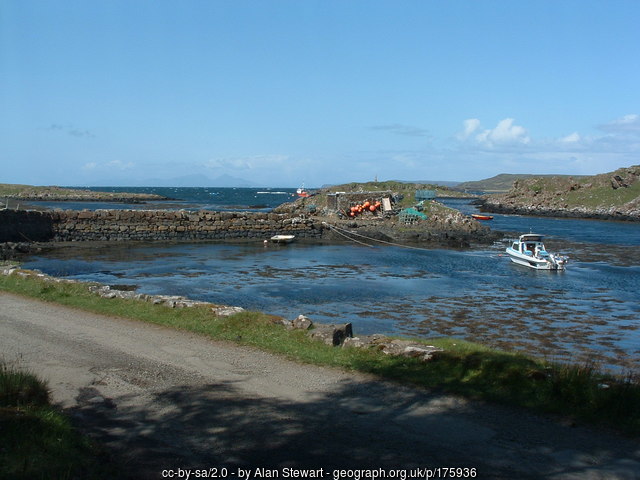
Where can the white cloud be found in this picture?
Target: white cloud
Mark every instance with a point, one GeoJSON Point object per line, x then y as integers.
{"type": "Point", "coordinates": [505, 133]}
{"type": "Point", "coordinates": [70, 130]}
{"type": "Point", "coordinates": [119, 165]}
{"type": "Point", "coordinates": [229, 164]}
{"type": "Point", "coordinates": [253, 162]}
{"type": "Point", "coordinates": [399, 129]}
{"type": "Point", "coordinates": [112, 165]}
{"type": "Point", "coordinates": [509, 147]}
{"type": "Point", "coordinates": [470, 126]}
{"type": "Point", "coordinates": [572, 138]}
{"type": "Point", "coordinates": [625, 124]}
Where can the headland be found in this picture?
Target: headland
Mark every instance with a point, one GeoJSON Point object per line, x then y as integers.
{"type": "Point", "coordinates": [16, 193]}
{"type": "Point", "coordinates": [608, 196]}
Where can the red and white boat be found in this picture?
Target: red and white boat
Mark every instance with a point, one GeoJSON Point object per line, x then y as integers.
{"type": "Point", "coordinates": [477, 216]}
{"type": "Point", "coordinates": [302, 192]}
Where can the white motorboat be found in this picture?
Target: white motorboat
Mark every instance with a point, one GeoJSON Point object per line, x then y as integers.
{"type": "Point", "coordinates": [529, 251]}
{"type": "Point", "coordinates": [282, 238]}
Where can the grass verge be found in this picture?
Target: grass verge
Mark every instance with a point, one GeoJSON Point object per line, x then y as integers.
{"type": "Point", "coordinates": [36, 440]}
{"type": "Point", "coordinates": [580, 392]}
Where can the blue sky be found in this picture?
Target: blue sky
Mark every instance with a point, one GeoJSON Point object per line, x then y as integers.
{"type": "Point", "coordinates": [280, 92]}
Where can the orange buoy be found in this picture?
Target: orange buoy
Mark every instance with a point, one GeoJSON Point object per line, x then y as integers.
{"type": "Point", "coordinates": [372, 208]}
{"type": "Point", "coordinates": [366, 204]}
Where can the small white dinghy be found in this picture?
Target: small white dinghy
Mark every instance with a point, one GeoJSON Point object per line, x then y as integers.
{"type": "Point", "coordinates": [529, 251]}
{"type": "Point", "coordinates": [283, 238]}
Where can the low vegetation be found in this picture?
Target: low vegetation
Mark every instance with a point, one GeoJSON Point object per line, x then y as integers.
{"type": "Point", "coordinates": [38, 441]}
{"type": "Point", "coordinates": [579, 392]}
{"type": "Point", "coordinates": [614, 189]}
{"type": "Point", "coordinates": [17, 191]}
{"type": "Point", "coordinates": [30, 192]}
{"type": "Point", "coordinates": [502, 183]}
{"type": "Point", "coordinates": [406, 189]}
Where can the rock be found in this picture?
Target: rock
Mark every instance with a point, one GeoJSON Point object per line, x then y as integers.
{"type": "Point", "coordinates": [405, 348]}
{"type": "Point", "coordinates": [356, 342]}
{"type": "Point", "coordinates": [225, 310]}
{"type": "Point", "coordinates": [332, 334]}
{"type": "Point", "coordinates": [301, 322]}
{"type": "Point", "coordinates": [9, 269]}
{"type": "Point", "coordinates": [424, 353]}
{"type": "Point", "coordinates": [618, 182]}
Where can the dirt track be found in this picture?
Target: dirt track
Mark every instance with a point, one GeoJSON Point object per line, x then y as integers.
{"type": "Point", "coordinates": [163, 399]}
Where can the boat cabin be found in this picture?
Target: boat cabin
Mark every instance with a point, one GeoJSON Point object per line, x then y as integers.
{"type": "Point", "coordinates": [529, 251]}
{"type": "Point", "coordinates": [530, 245]}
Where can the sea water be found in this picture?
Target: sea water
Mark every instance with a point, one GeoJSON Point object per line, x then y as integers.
{"type": "Point", "coordinates": [187, 198]}
{"type": "Point", "coordinates": [589, 312]}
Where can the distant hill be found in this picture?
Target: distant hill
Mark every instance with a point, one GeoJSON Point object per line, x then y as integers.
{"type": "Point", "coordinates": [431, 183]}
{"type": "Point", "coordinates": [500, 183]}
{"type": "Point", "coordinates": [442, 183]}
{"type": "Point", "coordinates": [614, 195]}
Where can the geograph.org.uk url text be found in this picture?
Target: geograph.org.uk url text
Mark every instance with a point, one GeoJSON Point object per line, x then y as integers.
{"type": "Point", "coordinates": [323, 473]}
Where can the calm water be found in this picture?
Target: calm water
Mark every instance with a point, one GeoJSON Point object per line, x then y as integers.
{"type": "Point", "coordinates": [590, 311]}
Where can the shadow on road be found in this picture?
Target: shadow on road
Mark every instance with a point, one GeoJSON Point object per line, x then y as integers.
{"type": "Point", "coordinates": [362, 425]}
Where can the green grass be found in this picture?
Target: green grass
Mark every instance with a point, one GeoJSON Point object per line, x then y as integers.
{"type": "Point", "coordinates": [405, 188]}
{"type": "Point", "coordinates": [30, 191]}
{"type": "Point", "coordinates": [603, 196]}
{"type": "Point", "coordinates": [469, 369]}
{"type": "Point", "coordinates": [8, 189]}
{"type": "Point", "coordinates": [594, 191]}
{"type": "Point", "coordinates": [36, 440]}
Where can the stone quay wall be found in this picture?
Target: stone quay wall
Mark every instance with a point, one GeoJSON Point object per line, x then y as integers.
{"type": "Point", "coordinates": [151, 225]}
{"type": "Point", "coordinates": [25, 226]}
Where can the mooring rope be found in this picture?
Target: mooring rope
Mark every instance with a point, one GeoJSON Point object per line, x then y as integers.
{"type": "Point", "coordinates": [346, 236]}
{"type": "Point", "coordinates": [337, 230]}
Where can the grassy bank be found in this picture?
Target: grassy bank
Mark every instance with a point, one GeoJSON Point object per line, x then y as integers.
{"type": "Point", "coordinates": [36, 440]}
{"type": "Point", "coordinates": [472, 370]}
{"type": "Point", "coordinates": [31, 192]}
{"type": "Point", "coordinates": [618, 189]}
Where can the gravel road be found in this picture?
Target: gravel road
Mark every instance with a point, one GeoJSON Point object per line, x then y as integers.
{"type": "Point", "coordinates": [164, 400]}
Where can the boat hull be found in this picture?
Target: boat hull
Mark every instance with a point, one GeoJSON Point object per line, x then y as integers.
{"type": "Point", "coordinates": [535, 263]}
{"type": "Point", "coordinates": [283, 238]}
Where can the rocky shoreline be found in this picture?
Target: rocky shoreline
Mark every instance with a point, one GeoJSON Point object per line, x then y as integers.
{"type": "Point", "coordinates": [490, 205]}
{"type": "Point", "coordinates": [330, 334]}
{"type": "Point", "coordinates": [131, 198]}
{"type": "Point", "coordinates": [25, 193]}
